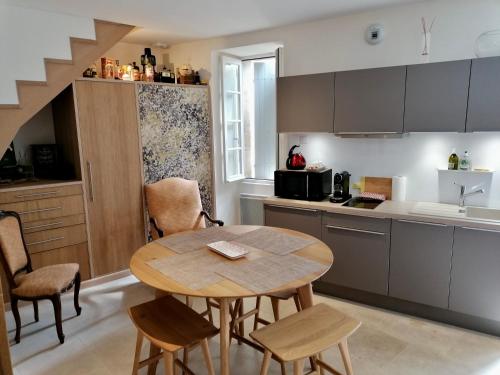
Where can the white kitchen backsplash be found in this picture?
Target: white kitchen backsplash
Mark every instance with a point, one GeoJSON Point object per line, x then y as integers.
{"type": "Point", "coordinates": [418, 156]}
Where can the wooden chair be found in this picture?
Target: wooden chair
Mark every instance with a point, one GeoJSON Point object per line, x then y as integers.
{"type": "Point", "coordinates": [174, 205]}
{"type": "Point", "coordinates": [170, 326]}
{"type": "Point", "coordinates": [307, 334]}
{"type": "Point", "coordinates": [27, 284]}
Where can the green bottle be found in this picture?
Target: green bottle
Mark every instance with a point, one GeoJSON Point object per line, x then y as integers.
{"type": "Point", "coordinates": [453, 161]}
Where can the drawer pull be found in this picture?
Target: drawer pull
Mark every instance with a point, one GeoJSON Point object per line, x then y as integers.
{"type": "Point", "coordinates": [45, 241]}
{"type": "Point", "coordinates": [293, 208]}
{"type": "Point", "coordinates": [44, 225]}
{"type": "Point", "coordinates": [422, 223]}
{"type": "Point", "coordinates": [36, 194]}
{"type": "Point", "coordinates": [356, 230]}
{"type": "Point", "coordinates": [40, 210]}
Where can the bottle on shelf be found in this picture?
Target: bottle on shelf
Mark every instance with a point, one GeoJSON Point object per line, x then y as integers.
{"type": "Point", "coordinates": [197, 80]}
{"type": "Point", "coordinates": [136, 72]}
{"type": "Point", "coordinates": [465, 162]}
{"type": "Point", "coordinates": [453, 161]}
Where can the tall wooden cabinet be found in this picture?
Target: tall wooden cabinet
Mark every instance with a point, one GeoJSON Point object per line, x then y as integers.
{"type": "Point", "coordinates": [111, 165]}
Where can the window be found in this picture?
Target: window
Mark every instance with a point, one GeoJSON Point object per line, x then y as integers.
{"type": "Point", "coordinates": [249, 117]}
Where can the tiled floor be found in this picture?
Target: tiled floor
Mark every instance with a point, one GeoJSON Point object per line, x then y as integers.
{"type": "Point", "coordinates": [102, 340]}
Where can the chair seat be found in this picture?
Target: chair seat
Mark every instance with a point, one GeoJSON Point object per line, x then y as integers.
{"type": "Point", "coordinates": [170, 324]}
{"type": "Point", "coordinates": [306, 333]}
{"type": "Point", "coordinates": [46, 281]}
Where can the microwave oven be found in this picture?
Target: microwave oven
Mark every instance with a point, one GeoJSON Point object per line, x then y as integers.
{"type": "Point", "coordinates": [304, 185]}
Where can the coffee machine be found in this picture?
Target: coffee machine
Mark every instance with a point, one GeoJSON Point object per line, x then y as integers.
{"type": "Point", "coordinates": [341, 183]}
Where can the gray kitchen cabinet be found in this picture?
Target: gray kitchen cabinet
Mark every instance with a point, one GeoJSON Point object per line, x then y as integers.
{"type": "Point", "coordinates": [421, 262]}
{"type": "Point", "coordinates": [475, 273]}
{"type": "Point", "coordinates": [360, 247]}
{"type": "Point", "coordinates": [436, 97]}
{"type": "Point", "coordinates": [304, 220]}
{"type": "Point", "coordinates": [369, 101]}
{"type": "Point", "coordinates": [483, 113]}
{"type": "Point", "coordinates": [305, 103]}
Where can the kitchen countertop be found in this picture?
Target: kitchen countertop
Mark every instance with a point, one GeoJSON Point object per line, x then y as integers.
{"type": "Point", "coordinates": [389, 210]}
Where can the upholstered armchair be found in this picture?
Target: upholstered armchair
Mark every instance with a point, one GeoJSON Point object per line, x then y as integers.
{"type": "Point", "coordinates": [27, 284]}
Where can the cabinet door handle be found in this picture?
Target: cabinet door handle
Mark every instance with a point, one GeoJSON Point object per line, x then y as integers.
{"type": "Point", "coordinates": [44, 225]}
{"type": "Point", "coordinates": [356, 230]}
{"type": "Point", "coordinates": [36, 194]}
{"type": "Point", "coordinates": [422, 223]}
{"type": "Point", "coordinates": [292, 208]}
{"type": "Point", "coordinates": [482, 230]}
{"type": "Point", "coordinates": [40, 210]}
{"type": "Point", "coordinates": [366, 133]}
{"type": "Point", "coordinates": [91, 184]}
{"type": "Point", "coordinates": [44, 241]}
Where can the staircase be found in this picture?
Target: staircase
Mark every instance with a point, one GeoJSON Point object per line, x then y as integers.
{"type": "Point", "coordinates": [34, 95]}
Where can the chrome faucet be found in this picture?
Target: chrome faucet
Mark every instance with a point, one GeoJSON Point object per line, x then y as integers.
{"type": "Point", "coordinates": [463, 194]}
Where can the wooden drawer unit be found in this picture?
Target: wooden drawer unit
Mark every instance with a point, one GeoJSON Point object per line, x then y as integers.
{"type": "Point", "coordinates": [55, 238]}
{"type": "Point", "coordinates": [49, 208]}
{"type": "Point", "coordinates": [24, 195]}
{"type": "Point", "coordinates": [69, 254]}
{"type": "Point", "coordinates": [58, 222]}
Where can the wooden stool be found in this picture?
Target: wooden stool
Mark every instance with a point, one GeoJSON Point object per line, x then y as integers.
{"type": "Point", "coordinates": [307, 334]}
{"type": "Point", "coordinates": [170, 325]}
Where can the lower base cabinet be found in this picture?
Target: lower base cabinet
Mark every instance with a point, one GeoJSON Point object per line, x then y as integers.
{"type": "Point", "coordinates": [360, 248]}
{"type": "Point", "coordinates": [304, 220]}
{"type": "Point", "coordinates": [421, 262]}
{"type": "Point", "coordinates": [475, 273]}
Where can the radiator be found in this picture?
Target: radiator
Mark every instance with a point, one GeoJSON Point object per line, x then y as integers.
{"type": "Point", "coordinates": [252, 209]}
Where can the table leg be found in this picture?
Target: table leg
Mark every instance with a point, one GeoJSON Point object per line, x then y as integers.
{"type": "Point", "coordinates": [305, 296]}
{"type": "Point", "coordinates": [224, 336]}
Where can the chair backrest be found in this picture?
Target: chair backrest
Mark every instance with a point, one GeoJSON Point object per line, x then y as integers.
{"type": "Point", "coordinates": [175, 205]}
{"type": "Point", "coordinates": [13, 251]}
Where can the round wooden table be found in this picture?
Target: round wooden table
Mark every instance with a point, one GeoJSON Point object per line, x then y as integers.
{"type": "Point", "coordinates": [226, 291]}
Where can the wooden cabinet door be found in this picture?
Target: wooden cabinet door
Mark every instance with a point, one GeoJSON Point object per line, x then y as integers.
{"type": "Point", "coordinates": [483, 113]}
{"type": "Point", "coordinates": [369, 101]}
{"type": "Point", "coordinates": [475, 275]}
{"type": "Point", "coordinates": [304, 220]}
{"type": "Point", "coordinates": [360, 248]}
{"type": "Point", "coordinates": [112, 172]}
{"type": "Point", "coordinates": [421, 262]}
{"type": "Point", "coordinates": [305, 103]}
{"type": "Point", "coordinates": [436, 97]}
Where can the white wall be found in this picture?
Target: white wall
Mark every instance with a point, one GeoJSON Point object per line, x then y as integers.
{"type": "Point", "coordinates": [337, 44]}
{"type": "Point", "coordinates": [27, 36]}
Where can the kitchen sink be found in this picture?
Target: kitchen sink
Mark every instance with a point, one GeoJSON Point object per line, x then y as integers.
{"type": "Point", "coordinates": [482, 213]}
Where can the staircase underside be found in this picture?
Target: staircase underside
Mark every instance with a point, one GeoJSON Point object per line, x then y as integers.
{"type": "Point", "coordinates": [33, 95]}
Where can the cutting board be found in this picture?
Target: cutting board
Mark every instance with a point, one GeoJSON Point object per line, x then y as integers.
{"type": "Point", "coordinates": [380, 185]}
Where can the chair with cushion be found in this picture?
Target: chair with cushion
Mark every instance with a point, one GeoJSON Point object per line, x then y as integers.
{"type": "Point", "coordinates": [170, 326]}
{"type": "Point", "coordinates": [307, 334]}
{"type": "Point", "coordinates": [26, 284]}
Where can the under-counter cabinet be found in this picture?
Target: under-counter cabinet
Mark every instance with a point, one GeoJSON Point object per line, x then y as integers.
{"type": "Point", "coordinates": [304, 220]}
{"type": "Point", "coordinates": [421, 262]}
{"type": "Point", "coordinates": [360, 248]}
{"type": "Point", "coordinates": [305, 103]}
{"type": "Point", "coordinates": [111, 163]}
{"type": "Point", "coordinates": [475, 273]}
{"type": "Point", "coordinates": [436, 97]}
{"type": "Point", "coordinates": [369, 101]}
{"type": "Point", "coordinates": [483, 113]}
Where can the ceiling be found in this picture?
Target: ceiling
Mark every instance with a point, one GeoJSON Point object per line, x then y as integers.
{"type": "Point", "coordinates": [168, 21]}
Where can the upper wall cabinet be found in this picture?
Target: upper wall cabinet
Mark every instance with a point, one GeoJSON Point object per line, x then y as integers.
{"type": "Point", "coordinates": [305, 103]}
{"type": "Point", "coordinates": [436, 97]}
{"type": "Point", "coordinates": [370, 101]}
{"type": "Point", "coordinates": [484, 109]}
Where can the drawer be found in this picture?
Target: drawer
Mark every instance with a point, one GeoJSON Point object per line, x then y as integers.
{"type": "Point", "coordinates": [69, 254]}
{"type": "Point", "coordinates": [55, 238]}
{"type": "Point", "coordinates": [40, 193]}
{"type": "Point", "coordinates": [58, 222]}
{"type": "Point", "coordinates": [357, 222]}
{"type": "Point", "coordinates": [46, 208]}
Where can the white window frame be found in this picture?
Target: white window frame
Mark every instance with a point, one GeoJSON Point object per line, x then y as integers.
{"type": "Point", "coordinates": [225, 59]}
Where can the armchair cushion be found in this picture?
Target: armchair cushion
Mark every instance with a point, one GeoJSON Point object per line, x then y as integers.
{"type": "Point", "coordinates": [45, 281]}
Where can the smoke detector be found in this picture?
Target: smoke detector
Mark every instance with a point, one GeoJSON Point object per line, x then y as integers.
{"type": "Point", "coordinates": [374, 34]}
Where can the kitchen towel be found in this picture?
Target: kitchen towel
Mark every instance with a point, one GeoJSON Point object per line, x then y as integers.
{"type": "Point", "coordinates": [399, 188]}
